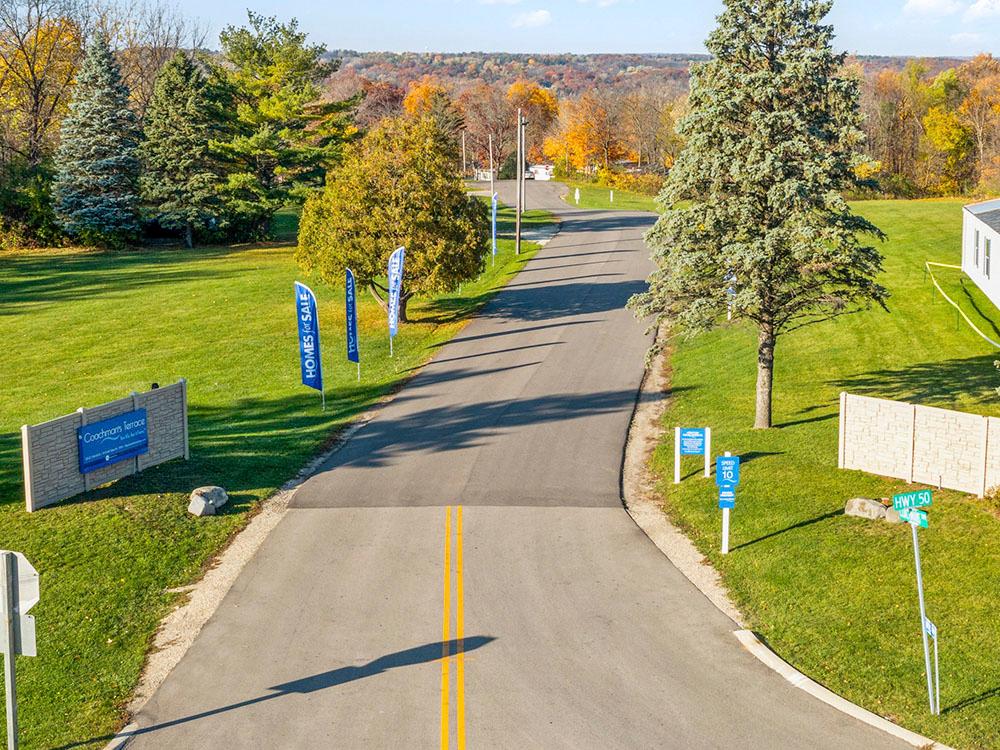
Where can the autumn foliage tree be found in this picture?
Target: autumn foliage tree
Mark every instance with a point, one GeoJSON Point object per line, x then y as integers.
{"type": "Point", "coordinates": [397, 186]}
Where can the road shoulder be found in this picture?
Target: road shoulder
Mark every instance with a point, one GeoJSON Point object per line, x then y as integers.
{"type": "Point", "coordinates": [638, 496]}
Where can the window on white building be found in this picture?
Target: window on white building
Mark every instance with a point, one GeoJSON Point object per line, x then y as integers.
{"type": "Point", "coordinates": [975, 249]}
{"type": "Point", "coordinates": [986, 258]}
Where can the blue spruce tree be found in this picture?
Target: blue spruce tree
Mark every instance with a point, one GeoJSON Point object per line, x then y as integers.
{"type": "Point", "coordinates": [97, 168]}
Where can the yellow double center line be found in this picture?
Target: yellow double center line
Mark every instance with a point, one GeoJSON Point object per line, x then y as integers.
{"type": "Point", "coordinates": [459, 635]}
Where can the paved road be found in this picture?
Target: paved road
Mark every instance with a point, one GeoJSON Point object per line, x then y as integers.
{"type": "Point", "coordinates": [563, 626]}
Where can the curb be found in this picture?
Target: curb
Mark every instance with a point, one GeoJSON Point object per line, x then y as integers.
{"type": "Point", "coordinates": [683, 555]}
{"type": "Point", "coordinates": [123, 737]}
{"type": "Point", "coordinates": [752, 643]}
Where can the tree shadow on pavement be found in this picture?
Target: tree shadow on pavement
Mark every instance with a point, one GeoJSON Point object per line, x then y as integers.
{"type": "Point", "coordinates": [429, 652]}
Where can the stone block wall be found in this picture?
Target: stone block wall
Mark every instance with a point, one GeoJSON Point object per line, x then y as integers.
{"type": "Point", "coordinates": [937, 447]}
{"type": "Point", "coordinates": [51, 456]}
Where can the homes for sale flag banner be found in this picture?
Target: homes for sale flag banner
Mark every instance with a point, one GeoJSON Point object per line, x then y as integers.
{"type": "Point", "coordinates": [494, 227]}
{"type": "Point", "coordinates": [305, 309]}
{"type": "Point", "coordinates": [395, 288]}
{"type": "Point", "coordinates": [352, 319]}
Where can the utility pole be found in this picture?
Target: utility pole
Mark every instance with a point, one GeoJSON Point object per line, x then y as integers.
{"type": "Point", "coordinates": [524, 161]}
{"type": "Point", "coordinates": [492, 189]}
{"type": "Point", "coordinates": [464, 171]}
{"type": "Point", "coordinates": [520, 188]}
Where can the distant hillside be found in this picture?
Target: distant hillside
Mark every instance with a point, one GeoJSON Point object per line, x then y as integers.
{"type": "Point", "coordinates": [565, 74]}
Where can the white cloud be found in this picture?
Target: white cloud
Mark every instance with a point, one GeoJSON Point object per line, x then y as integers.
{"type": "Point", "coordinates": [531, 19]}
{"type": "Point", "coordinates": [934, 7]}
{"type": "Point", "coordinates": [967, 39]}
{"type": "Point", "coordinates": [983, 9]}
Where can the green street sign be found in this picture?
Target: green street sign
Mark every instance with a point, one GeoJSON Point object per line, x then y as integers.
{"type": "Point", "coordinates": [915, 499]}
{"type": "Point", "coordinates": [914, 517]}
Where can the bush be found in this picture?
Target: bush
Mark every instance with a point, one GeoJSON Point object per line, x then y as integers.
{"type": "Point", "coordinates": [645, 183]}
{"type": "Point", "coordinates": [26, 216]}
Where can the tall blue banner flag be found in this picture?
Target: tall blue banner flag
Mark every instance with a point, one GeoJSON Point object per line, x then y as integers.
{"type": "Point", "coordinates": [494, 224]}
{"type": "Point", "coordinates": [305, 310]}
{"type": "Point", "coordinates": [395, 287]}
{"type": "Point", "coordinates": [352, 318]}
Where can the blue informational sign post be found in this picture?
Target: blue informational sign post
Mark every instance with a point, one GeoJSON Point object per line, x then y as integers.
{"type": "Point", "coordinates": [112, 440]}
{"type": "Point", "coordinates": [692, 441]}
{"type": "Point", "coordinates": [727, 476]}
{"type": "Point", "coordinates": [351, 305]}
{"type": "Point", "coordinates": [309, 356]}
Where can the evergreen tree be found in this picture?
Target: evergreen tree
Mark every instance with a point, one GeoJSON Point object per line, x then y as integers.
{"type": "Point", "coordinates": [180, 176]}
{"type": "Point", "coordinates": [283, 136]}
{"type": "Point", "coordinates": [754, 217]}
{"type": "Point", "coordinates": [96, 165]}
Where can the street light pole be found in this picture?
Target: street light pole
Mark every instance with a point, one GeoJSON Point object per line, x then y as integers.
{"type": "Point", "coordinates": [492, 189]}
{"type": "Point", "coordinates": [524, 160]}
{"type": "Point", "coordinates": [520, 188]}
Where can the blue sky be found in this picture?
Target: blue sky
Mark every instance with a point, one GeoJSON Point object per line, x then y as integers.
{"type": "Point", "coordinates": [887, 27]}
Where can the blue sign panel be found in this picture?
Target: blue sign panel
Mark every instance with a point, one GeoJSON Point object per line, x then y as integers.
{"type": "Point", "coordinates": [727, 496]}
{"type": "Point", "coordinates": [351, 300]}
{"type": "Point", "coordinates": [692, 441]}
{"type": "Point", "coordinates": [727, 470]}
{"type": "Point", "coordinates": [305, 309]}
{"type": "Point", "coordinates": [112, 440]}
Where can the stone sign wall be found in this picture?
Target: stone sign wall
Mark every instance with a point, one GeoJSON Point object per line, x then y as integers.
{"type": "Point", "coordinates": [924, 444]}
{"type": "Point", "coordinates": [51, 455]}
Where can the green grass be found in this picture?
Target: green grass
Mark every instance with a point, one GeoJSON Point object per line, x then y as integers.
{"type": "Point", "coordinates": [593, 196]}
{"type": "Point", "coordinates": [835, 595]}
{"type": "Point", "coordinates": [970, 299]}
{"type": "Point", "coordinates": [80, 328]}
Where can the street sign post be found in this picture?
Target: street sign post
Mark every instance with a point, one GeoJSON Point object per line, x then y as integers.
{"type": "Point", "coordinates": [576, 195]}
{"type": "Point", "coordinates": [692, 441]}
{"type": "Point", "coordinates": [19, 592]}
{"type": "Point", "coordinates": [727, 476]}
{"type": "Point", "coordinates": [908, 505]}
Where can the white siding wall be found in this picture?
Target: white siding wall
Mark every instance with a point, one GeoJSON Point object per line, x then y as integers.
{"type": "Point", "coordinates": [977, 271]}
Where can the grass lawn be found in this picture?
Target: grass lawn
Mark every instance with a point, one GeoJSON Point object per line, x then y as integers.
{"type": "Point", "coordinates": [836, 596]}
{"type": "Point", "coordinates": [593, 196]}
{"type": "Point", "coordinates": [80, 328]}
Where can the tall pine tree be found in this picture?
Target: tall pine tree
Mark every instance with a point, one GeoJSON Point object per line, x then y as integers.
{"type": "Point", "coordinates": [96, 165]}
{"type": "Point", "coordinates": [754, 216]}
{"type": "Point", "coordinates": [180, 180]}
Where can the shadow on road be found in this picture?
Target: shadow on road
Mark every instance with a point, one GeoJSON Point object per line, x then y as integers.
{"type": "Point", "coordinates": [460, 426]}
{"type": "Point", "coordinates": [429, 652]}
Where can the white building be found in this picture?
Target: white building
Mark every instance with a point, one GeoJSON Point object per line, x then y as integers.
{"type": "Point", "coordinates": [980, 243]}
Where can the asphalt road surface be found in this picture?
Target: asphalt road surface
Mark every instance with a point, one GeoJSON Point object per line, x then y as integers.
{"type": "Point", "coordinates": [462, 573]}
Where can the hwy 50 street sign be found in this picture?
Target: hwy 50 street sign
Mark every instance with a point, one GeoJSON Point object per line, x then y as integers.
{"type": "Point", "coordinates": [915, 499]}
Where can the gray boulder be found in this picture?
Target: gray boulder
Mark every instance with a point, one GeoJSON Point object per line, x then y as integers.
{"type": "Point", "coordinates": [205, 501]}
{"type": "Point", "coordinates": [864, 507]}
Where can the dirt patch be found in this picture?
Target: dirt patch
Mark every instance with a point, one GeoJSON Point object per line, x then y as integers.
{"type": "Point", "coordinates": [642, 500]}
